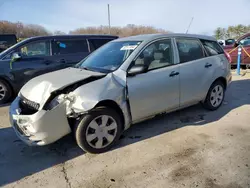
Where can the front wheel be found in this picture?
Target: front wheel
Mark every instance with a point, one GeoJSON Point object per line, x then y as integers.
{"type": "Point", "coordinates": [5, 92]}
{"type": "Point", "coordinates": [215, 96]}
{"type": "Point", "coordinates": [98, 130]}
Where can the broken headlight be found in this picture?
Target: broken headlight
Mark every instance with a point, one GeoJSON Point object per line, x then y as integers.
{"type": "Point", "coordinates": [54, 102]}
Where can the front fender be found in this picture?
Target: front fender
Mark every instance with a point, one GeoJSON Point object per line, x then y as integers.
{"type": "Point", "coordinates": [89, 95]}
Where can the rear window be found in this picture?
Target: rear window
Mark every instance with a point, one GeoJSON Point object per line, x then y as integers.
{"type": "Point", "coordinates": [69, 47]}
{"type": "Point", "coordinates": [212, 47]}
{"type": "Point", "coordinates": [189, 50]}
{"type": "Point", "coordinates": [97, 43]}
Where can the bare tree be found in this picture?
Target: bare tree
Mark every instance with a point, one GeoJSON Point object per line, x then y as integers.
{"type": "Point", "coordinates": [128, 30]}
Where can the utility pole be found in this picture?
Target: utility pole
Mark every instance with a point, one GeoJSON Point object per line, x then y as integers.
{"type": "Point", "coordinates": [109, 19]}
{"type": "Point", "coordinates": [190, 24]}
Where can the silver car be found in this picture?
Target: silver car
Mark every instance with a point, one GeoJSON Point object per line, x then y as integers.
{"type": "Point", "coordinates": [124, 82]}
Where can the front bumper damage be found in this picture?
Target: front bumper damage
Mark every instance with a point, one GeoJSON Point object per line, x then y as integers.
{"type": "Point", "coordinates": [40, 128]}
{"type": "Point", "coordinates": [45, 124]}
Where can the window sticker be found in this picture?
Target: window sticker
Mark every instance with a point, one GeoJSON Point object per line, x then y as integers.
{"type": "Point", "coordinates": [129, 47]}
{"type": "Point", "coordinates": [62, 45]}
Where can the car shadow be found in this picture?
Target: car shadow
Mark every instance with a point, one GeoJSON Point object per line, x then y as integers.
{"type": "Point", "coordinates": [237, 95]}
{"type": "Point", "coordinates": [18, 160]}
{"type": "Point", "coordinates": [4, 105]}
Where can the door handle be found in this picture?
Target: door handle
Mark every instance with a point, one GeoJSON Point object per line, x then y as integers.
{"type": "Point", "coordinates": [173, 73]}
{"type": "Point", "coordinates": [208, 65]}
{"type": "Point", "coordinates": [47, 62]}
{"type": "Point", "coordinates": [62, 61]}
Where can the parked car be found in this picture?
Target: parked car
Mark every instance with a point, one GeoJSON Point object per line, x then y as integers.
{"type": "Point", "coordinates": [245, 42]}
{"type": "Point", "coordinates": [125, 81]}
{"type": "Point", "coordinates": [6, 41]}
{"type": "Point", "coordinates": [35, 56]}
{"type": "Point", "coordinates": [226, 42]}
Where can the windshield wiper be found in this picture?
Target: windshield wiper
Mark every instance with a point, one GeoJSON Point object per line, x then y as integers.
{"type": "Point", "coordinates": [89, 69]}
{"type": "Point", "coordinates": [85, 68]}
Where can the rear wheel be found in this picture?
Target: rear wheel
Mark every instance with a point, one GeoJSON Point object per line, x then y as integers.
{"type": "Point", "coordinates": [98, 130]}
{"type": "Point", "coordinates": [215, 96]}
{"type": "Point", "coordinates": [5, 92]}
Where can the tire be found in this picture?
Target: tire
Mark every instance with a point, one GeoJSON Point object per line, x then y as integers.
{"type": "Point", "coordinates": [5, 92]}
{"type": "Point", "coordinates": [214, 102]}
{"type": "Point", "coordinates": [90, 130]}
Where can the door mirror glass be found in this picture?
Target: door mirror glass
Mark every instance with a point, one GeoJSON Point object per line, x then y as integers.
{"type": "Point", "coordinates": [16, 56]}
{"type": "Point", "coordinates": [137, 69]}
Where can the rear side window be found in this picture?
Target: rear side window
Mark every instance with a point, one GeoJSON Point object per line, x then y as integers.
{"type": "Point", "coordinates": [97, 43]}
{"type": "Point", "coordinates": [212, 47]}
{"type": "Point", "coordinates": [69, 46]}
{"type": "Point", "coordinates": [189, 50]}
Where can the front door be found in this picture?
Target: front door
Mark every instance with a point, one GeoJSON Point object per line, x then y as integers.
{"type": "Point", "coordinates": [35, 60]}
{"type": "Point", "coordinates": [157, 90]}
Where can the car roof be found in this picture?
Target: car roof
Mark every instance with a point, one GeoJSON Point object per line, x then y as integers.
{"type": "Point", "coordinates": [72, 36]}
{"type": "Point", "coordinates": [149, 37]}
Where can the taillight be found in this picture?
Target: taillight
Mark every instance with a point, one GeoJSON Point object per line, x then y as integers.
{"type": "Point", "coordinates": [228, 56]}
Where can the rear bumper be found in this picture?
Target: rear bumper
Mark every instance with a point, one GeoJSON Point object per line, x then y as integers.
{"type": "Point", "coordinates": [41, 128]}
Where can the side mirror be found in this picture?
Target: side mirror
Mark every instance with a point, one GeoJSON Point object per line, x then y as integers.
{"type": "Point", "coordinates": [137, 69]}
{"type": "Point", "coordinates": [221, 43]}
{"type": "Point", "coordinates": [16, 56]}
{"type": "Point", "coordinates": [236, 44]}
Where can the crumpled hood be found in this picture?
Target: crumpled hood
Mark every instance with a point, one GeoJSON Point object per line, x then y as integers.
{"type": "Point", "coordinates": [39, 88]}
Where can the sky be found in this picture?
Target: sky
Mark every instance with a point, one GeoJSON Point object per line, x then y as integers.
{"type": "Point", "coordinates": [171, 15]}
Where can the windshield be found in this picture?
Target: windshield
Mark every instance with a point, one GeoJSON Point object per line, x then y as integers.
{"type": "Point", "coordinates": [109, 57]}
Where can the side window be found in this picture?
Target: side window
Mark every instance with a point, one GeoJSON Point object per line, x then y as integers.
{"type": "Point", "coordinates": [97, 43]}
{"type": "Point", "coordinates": [41, 48]}
{"type": "Point", "coordinates": [189, 50]}
{"type": "Point", "coordinates": [61, 47]}
{"type": "Point", "coordinates": [32, 49]}
{"type": "Point", "coordinates": [156, 55]}
{"type": "Point", "coordinates": [245, 41]}
{"type": "Point", "coordinates": [212, 47]}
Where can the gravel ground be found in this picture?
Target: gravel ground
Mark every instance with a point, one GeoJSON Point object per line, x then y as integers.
{"type": "Point", "coordinates": [188, 148]}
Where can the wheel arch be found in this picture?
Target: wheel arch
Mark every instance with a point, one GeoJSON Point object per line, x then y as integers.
{"type": "Point", "coordinates": [112, 104]}
{"type": "Point", "coordinates": [9, 84]}
{"type": "Point", "coordinates": [223, 80]}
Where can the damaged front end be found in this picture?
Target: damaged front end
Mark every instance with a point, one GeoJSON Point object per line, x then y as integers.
{"type": "Point", "coordinates": [39, 128]}
{"type": "Point", "coordinates": [44, 122]}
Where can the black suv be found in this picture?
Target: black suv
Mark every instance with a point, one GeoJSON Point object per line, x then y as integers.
{"type": "Point", "coordinates": [39, 55]}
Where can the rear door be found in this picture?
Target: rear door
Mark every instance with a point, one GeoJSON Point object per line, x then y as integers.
{"type": "Point", "coordinates": [196, 70]}
{"type": "Point", "coordinates": [69, 52]}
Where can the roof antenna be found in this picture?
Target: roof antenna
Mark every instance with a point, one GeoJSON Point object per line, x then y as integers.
{"type": "Point", "coordinates": [190, 24]}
